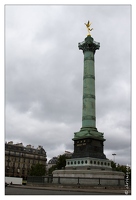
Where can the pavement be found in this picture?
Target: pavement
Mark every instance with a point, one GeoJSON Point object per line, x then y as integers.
{"type": "Point", "coordinates": [100, 189]}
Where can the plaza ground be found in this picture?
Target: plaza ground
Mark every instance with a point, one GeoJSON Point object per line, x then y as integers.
{"type": "Point", "coordinates": [63, 190]}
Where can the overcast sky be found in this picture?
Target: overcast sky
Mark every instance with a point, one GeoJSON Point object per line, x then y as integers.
{"type": "Point", "coordinates": [44, 72]}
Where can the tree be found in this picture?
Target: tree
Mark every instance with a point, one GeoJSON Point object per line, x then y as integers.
{"type": "Point", "coordinates": [37, 170]}
{"type": "Point", "coordinates": [123, 168]}
{"type": "Point", "coordinates": [51, 169]}
{"type": "Point", "coordinates": [113, 165]}
{"type": "Point", "coordinates": [61, 163]}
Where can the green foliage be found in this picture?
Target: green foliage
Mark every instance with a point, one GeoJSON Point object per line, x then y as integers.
{"type": "Point", "coordinates": [51, 169]}
{"type": "Point", "coordinates": [113, 165]}
{"type": "Point", "coordinates": [61, 163]}
{"type": "Point", "coordinates": [123, 168]}
{"type": "Point", "coordinates": [37, 170]}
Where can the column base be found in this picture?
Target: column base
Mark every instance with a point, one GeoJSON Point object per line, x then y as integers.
{"type": "Point", "coordinates": [88, 132]}
{"type": "Point", "coordinates": [88, 142]}
{"type": "Point", "coordinates": [88, 163]}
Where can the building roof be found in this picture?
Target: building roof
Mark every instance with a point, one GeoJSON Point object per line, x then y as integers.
{"type": "Point", "coordinates": [28, 149]}
{"type": "Point", "coordinates": [53, 160]}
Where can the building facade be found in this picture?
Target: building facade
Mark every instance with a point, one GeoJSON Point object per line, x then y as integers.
{"type": "Point", "coordinates": [19, 159]}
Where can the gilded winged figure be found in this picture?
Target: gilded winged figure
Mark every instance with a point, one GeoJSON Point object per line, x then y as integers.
{"type": "Point", "coordinates": [88, 27]}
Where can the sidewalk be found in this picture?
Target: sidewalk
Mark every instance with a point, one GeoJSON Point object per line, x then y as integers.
{"type": "Point", "coordinates": [76, 189]}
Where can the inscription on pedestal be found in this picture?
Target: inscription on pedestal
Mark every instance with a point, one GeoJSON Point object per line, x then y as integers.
{"type": "Point", "coordinates": [88, 148]}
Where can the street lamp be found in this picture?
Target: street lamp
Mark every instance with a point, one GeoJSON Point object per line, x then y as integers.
{"type": "Point", "coordinates": [114, 156]}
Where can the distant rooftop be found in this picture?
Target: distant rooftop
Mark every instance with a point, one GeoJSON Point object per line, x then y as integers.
{"type": "Point", "coordinates": [27, 146]}
{"type": "Point", "coordinates": [53, 160]}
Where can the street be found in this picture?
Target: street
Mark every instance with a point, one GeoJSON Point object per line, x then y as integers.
{"type": "Point", "coordinates": [27, 191]}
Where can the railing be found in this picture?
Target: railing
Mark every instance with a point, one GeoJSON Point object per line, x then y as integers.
{"type": "Point", "coordinates": [75, 180]}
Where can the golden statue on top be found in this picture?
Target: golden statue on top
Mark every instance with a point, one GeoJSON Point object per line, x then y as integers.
{"type": "Point", "coordinates": [88, 27]}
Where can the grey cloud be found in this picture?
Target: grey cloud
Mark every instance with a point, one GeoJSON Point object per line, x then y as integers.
{"type": "Point", "coordinates": [44, 72]}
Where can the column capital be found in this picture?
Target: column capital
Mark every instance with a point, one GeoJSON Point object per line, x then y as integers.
{"type": "Point", "coordinates": [89, 44]}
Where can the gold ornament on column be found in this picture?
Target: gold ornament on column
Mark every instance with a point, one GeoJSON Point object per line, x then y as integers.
{"type": "Point", "coordinates": [88, 27]}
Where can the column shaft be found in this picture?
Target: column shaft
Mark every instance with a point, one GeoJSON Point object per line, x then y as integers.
{"type": "Point", "coordinates": [88, 111]}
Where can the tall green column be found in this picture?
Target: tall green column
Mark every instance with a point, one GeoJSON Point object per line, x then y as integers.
{"type": "Point", "coordinates": [88, 111]}
{"type": "Point", "coordinates": [89, 46]}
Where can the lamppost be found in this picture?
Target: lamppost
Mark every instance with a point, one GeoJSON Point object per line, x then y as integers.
{"type": "Point", "coordinates": [114, 157]}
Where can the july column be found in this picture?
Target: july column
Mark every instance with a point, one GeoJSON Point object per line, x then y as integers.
{"type": "Point", "coordinates": [88, 111]}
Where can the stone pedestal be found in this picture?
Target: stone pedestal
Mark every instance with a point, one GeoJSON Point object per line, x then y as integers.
{"type": "Point", "coordinates": [88, 147]}
{"type": "Point", "coordinates": [88, 163]}
{"type": "Point", "coordinates": [89, 177]}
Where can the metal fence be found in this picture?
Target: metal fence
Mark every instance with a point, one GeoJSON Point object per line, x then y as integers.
{"type": "Point", "coordinates": [75, 181]}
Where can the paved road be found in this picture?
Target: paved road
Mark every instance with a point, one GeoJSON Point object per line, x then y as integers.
{"type": "Point", "coordinates": [28, 191]}
{"type": "Point", "coordinates": [25, 191]}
